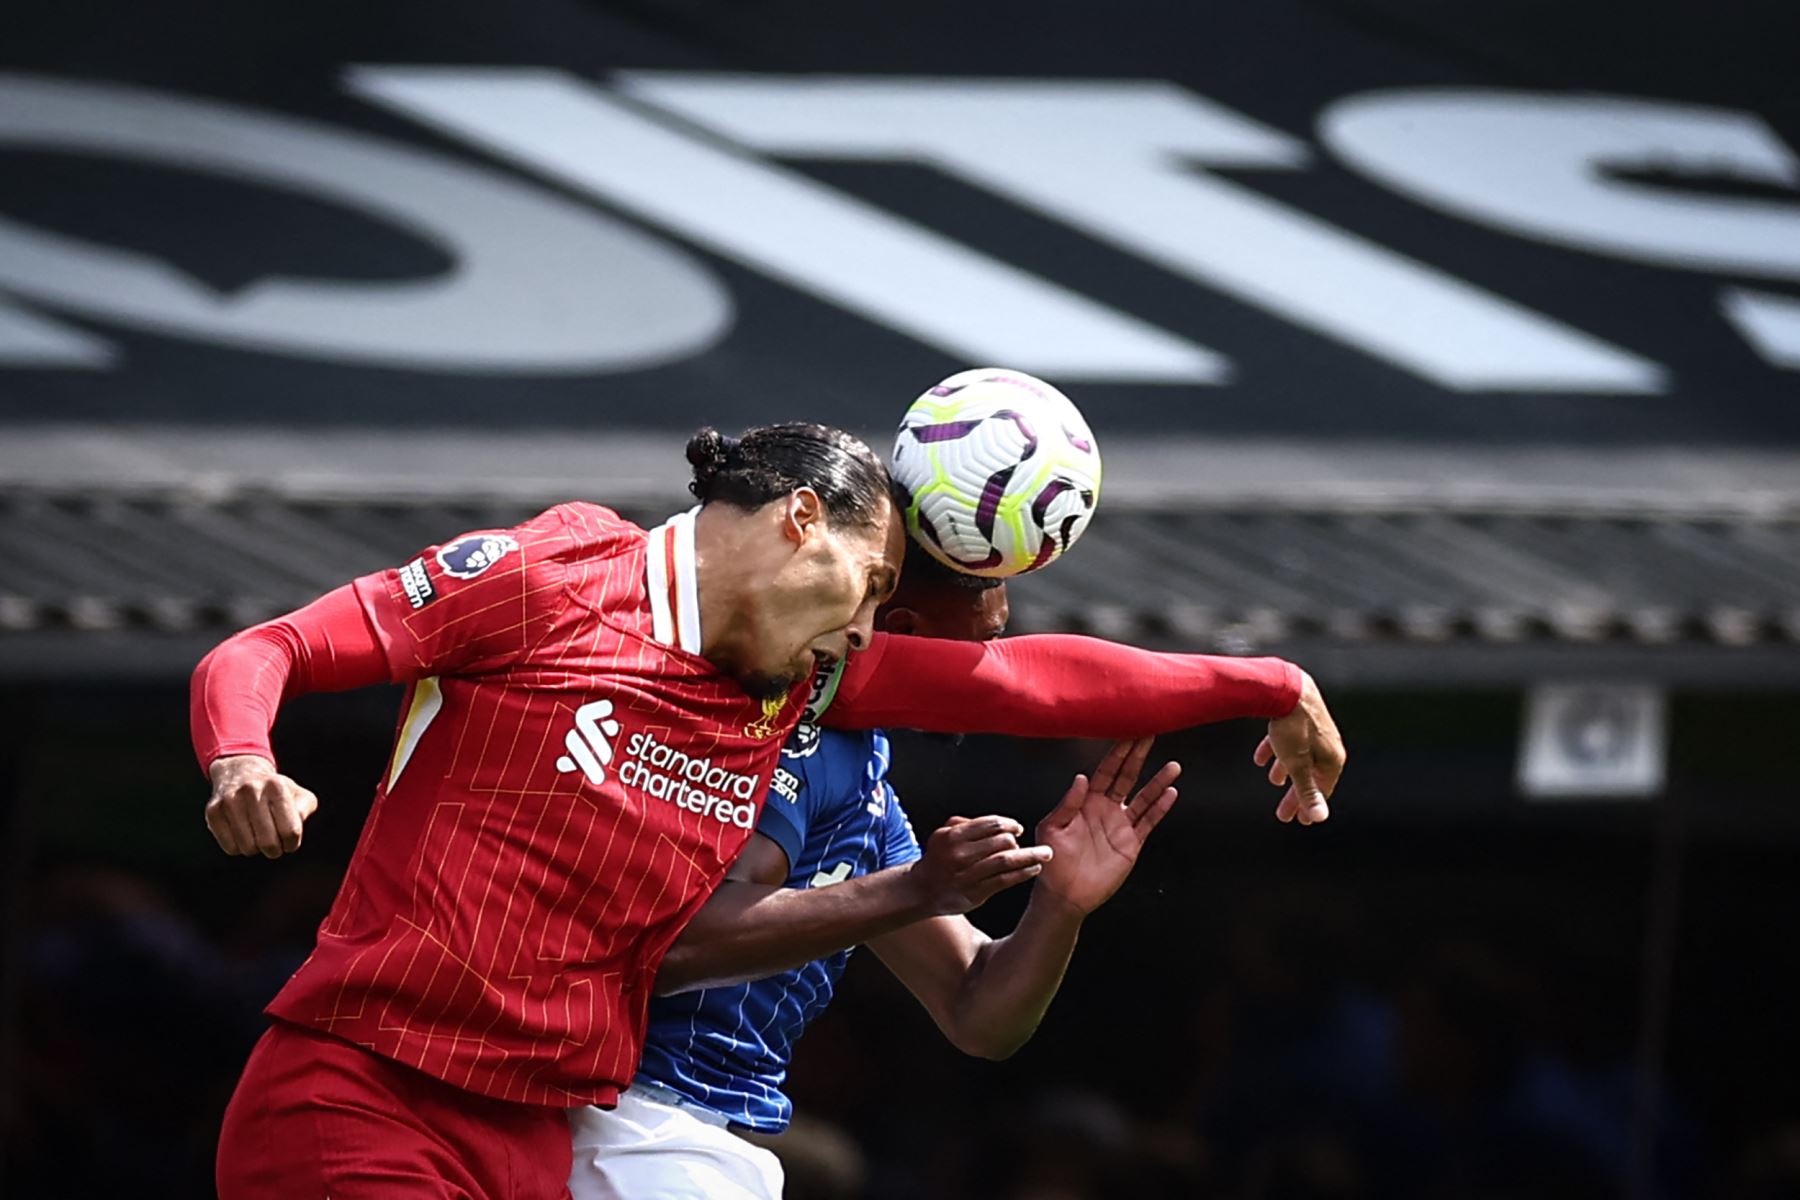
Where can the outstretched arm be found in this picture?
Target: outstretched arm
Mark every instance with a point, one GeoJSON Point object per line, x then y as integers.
{"type": "Point", "coordinates": [1063, 685]}
{"type": "Point", "coordinates": [989, 995]}
{"type": "Point", "coordinates": [752, 927]}
{"type": "Point", "coordinates": [1053, 685]}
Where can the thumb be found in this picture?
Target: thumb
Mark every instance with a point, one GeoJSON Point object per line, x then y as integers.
{"type": "Point", "coordinates": [1305, 799]}
{"type": "Point", "coordinates": [1069, 807]}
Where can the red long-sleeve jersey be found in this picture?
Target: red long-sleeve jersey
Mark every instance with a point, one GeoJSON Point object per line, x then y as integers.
{"type": "Point", "coordinates": [570, 779]}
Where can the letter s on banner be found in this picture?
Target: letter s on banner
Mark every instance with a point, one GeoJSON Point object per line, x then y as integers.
{"type": "Point", "coordinates": [1545, 167]}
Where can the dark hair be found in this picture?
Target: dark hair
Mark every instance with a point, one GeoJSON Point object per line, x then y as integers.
{"type": "Point", "coordinates": [923, 572]}
{"type": "Point", "coordinates": [771, 461]}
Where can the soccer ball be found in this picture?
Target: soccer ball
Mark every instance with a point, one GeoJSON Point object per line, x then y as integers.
{"type": "Point", "coordinates": [1000, 472]}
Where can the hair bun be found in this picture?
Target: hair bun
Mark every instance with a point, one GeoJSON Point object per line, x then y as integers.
{"type": "Point", "coordinates": [709, 451]}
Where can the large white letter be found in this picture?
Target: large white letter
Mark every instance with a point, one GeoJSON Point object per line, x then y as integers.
{"type": "Point", "coordinates": [781, 223]}
{"type": "Point", "coordinates": [1544, 167]}
{"type": "Point", "coordinates": [538, 284]}
{"type": "Point", "coordinates": [1117, 160]}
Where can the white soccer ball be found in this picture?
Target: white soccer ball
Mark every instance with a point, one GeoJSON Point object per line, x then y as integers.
{"type": "Point", "coordinates": [1001, 473]}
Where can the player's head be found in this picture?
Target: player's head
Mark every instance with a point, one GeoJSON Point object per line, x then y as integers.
{"type": "Point", "coordinates": [935, 601]}
{"type": "Point", "coordinates": [814, 547]}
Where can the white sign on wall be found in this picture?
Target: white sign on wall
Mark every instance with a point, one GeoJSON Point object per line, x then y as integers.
{"type": "Point", "coordinates": [1593, 741]}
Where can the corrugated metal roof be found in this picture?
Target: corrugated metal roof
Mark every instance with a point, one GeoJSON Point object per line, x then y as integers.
{"type": "Point", "coordinates": [1222, 577]}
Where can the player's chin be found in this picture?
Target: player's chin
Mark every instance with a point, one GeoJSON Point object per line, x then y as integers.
{"type": "Point", "coordinates": [763, 685]}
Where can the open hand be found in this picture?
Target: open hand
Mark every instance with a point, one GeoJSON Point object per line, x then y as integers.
{"type": "Point", "coordinates": [1100, 826]}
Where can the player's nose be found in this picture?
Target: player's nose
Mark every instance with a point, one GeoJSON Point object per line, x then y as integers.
{"type": "Point", "coordinates": [860, 633]}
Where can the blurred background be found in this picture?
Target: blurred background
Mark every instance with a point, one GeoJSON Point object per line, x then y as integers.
{"type": "Point", "coordinates": [1449, 350]}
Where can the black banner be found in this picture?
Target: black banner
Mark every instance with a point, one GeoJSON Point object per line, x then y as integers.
{"type": "Point", "coordinates": [1501, 223]}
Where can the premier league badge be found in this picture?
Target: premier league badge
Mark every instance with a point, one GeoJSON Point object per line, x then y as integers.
{"type": "Point", "coordinates": [474, 553]}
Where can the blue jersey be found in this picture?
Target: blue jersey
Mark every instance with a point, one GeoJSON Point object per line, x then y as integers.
{"type": "Point", "coordinates": [727, 1048]}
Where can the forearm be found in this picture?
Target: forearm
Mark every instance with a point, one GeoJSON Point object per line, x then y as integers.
{"type": "Point", "coordinates": [750, 930]}
{"type": "Point", "coordinates": [237, 689]}
{"type": "Point", "coordinates": [1054, 685]}
{"type": "Point", "coordinates": [1010, 985]}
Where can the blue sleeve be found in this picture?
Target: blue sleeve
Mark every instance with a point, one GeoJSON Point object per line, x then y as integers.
{"type": "Point", "coordinates": [898, 844]}
{"type": "Point", "coordinates": [795, 792]}
{"type": "Point", "coordinates": [783, 823]}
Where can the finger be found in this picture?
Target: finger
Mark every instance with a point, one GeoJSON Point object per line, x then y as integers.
{"type": "Point", "coordinates": [285, 813]}
{"type": "Point", "coordinates": [262, 822]}
{"type": "Point", "coordinates": [1067, 809]}
{"type": "Point", "coordinates": [957, 820]}
{"type": "Point", "coordinates": [1289, 807]}
{"type": "Point", "coordinates": [1000, 843]}
{"type": "Point", "coordinates": [306, 803]}
{"type": "Point", "coordinates": [1309, 798]}
{"type": "Point", "coordinates": [219, 825]}
{"type": "Point", "coordinates": [1277, 773]}
{"type": "Point", "coordinates": [978, 828]}
{"type": "Point", "coordinates": [1010, 860]}
{"type": "Point", "coordinates": [1308, 809]}
{"type": "Point", "coordinates": [1159, 808]}
{"type": "Point", "coordinates": [1107, 770]}
{"type": "Point", "coordinates": [1313, 808]}
{"type": "Point", "coordinates": [1133, 767]}
{"type": "Point", "coordinates": [1265, 753]}
{"type": "Point", "coordinates": [242, 835]}
{"type": "Point", "coordinates": [999, 883]}
{"type": "Point", "coordinates": [1148, 795]}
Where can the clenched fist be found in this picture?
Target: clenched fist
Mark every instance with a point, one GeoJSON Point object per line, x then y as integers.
{"type": "Point", "coordinates": [255, 809]}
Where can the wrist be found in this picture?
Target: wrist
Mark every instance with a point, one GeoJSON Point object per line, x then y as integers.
{"type": "Point", "coordinates": [1051, 904]}
{"type": "Point", "coordinates": [918, 896]}
{"type": "Point", "coordinates": [226, 766]}
{"type": "Point", "coordinates": [1296, 683]}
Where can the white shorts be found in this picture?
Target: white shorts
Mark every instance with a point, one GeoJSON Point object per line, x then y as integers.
{"type": "Point", "coordinates": [649, 1149]}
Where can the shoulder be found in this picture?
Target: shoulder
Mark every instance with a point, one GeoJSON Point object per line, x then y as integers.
{"type": "Point", "coordinates": [579, 528]}
{"type": "Point", "coordinates": [826, 764]}
{"type": "Point", "coordinates": [821, 751]}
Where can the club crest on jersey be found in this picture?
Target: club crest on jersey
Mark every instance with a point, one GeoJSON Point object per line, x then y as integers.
{"type": "Point", "coordinates": [764, 726]}
{"type": "Point", "coordinates": [469, 556]}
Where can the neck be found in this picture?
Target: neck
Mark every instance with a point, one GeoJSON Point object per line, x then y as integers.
{"type": "Point", "coordinates": [722, 574]}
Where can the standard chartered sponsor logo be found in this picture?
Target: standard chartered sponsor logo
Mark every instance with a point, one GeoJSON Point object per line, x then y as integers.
{"type": "Point", "coordinates": [590, 743]}
{"type": "Point", "coordinates": [660, 770]}
{"type": "Point", "coordinates": [657, 769]}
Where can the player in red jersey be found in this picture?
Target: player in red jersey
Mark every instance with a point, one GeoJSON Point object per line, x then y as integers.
{"type": "Point", "coordinates": [592, 714]}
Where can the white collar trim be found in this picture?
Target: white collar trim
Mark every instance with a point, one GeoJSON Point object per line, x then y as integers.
{"type": "Point", "coordinates": [673, 582]}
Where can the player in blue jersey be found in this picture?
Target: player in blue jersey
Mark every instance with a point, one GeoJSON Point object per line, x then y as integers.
{"type": "Point", "coordinates": [717, 1051]}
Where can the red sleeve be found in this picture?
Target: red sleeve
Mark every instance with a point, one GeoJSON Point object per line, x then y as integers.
{"type": "Point", "coordinates": [328, 646]}
{"type": "Point", "coordinates": [476, 603]}
{"type": "Point", "coordinates": [1053, 685]}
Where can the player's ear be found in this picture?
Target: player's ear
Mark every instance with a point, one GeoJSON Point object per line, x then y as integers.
{"type": "Point", "coordinates": [803, 511]}
{"type": "Point", "coordinates": [900, 620]}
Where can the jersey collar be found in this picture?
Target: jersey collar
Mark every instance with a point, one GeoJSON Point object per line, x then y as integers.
{"type": "Point", "coordinates": [673, 583]}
